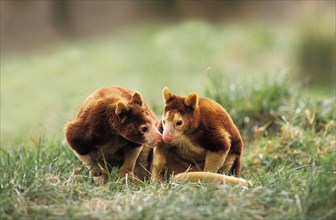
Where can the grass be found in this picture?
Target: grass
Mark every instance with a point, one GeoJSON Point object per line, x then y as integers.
{"type": "Point", "coordinates": [289, 131]}
{"type": "Point", "coordinates": [146, 59]}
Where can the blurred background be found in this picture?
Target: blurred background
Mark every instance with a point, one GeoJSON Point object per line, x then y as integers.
{"type": "Point", "coordinates": [55, 53]}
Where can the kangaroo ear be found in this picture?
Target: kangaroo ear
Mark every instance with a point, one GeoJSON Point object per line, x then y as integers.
{"type": "Point", "coordinates": [191, 100]}
{"type": "Point", "coordinates": [121, 107]}
{"type": "Point", "coordinates": [167, 96]}
{"type": "Point", "coordinates": [136, 99]}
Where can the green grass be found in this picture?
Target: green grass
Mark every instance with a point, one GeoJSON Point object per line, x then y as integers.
{"type": "Point", "coordinates": [39, 92]}
{"type": "Point", "coordinates": [289, 131]}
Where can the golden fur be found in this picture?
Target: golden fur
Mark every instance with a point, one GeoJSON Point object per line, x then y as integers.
{"type": "Point", "coordinates": [200, 136]}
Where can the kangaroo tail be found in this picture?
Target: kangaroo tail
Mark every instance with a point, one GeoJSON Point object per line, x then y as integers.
{"type": "Point", "coordinates": [210, 178]}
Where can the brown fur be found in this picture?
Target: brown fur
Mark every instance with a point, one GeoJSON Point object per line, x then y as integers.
{"type": "Point", "coordinates": [113, 125]}
{"type": "Point", "coordinates": [200, 136]}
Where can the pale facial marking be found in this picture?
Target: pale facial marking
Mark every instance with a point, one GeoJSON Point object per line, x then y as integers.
{"type": "Point", "coordinates": [170, 130]}
{"type": "Point", "coordinates": [152, 135]}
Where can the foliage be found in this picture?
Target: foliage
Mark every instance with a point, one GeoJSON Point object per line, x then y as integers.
{"type": "Point", "coordinates": [264, 103]}
{"type": "Point", "coordinates": [292, 170]}
{"type": "Point", "coordinates": [288, 131]}
{"type": "Point", "coordinates": [54, 82]}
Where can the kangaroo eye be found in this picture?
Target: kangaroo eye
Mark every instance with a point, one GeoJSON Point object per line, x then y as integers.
{"type": "Point", "coordinates": [179, 123]}
{"type": "Point", "coordinates": [143, 129]}
{"type": "Point", "coordinates": [163, 121]}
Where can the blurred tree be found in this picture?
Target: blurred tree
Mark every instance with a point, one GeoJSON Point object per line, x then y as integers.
{"type": "Point", "coordinates": [317, 45]}
{"type": "Point", "coordinates": [316, 56]}
{"type": "Point", "coordinates": [61, 17]}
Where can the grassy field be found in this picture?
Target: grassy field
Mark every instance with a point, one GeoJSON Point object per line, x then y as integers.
{"type": "Point", "coordinates": [288, 129]}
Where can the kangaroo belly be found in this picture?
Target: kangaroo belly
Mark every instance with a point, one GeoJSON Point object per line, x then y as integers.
{"type": "Point", "coordinates": [188, 150]}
